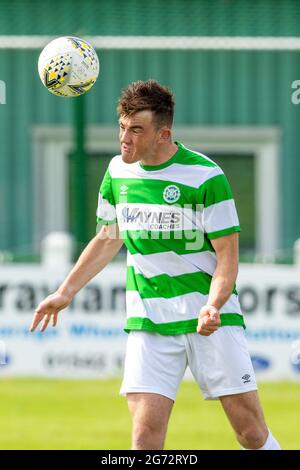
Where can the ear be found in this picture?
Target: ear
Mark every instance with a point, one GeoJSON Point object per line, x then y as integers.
{"type": "Point", "coordinates": [165, 135]}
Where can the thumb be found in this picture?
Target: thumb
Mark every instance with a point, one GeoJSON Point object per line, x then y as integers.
{"type": "Point", "coordinates": [214, 313]}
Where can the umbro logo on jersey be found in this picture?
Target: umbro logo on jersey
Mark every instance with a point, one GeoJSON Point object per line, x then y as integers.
{"type": "Point", "coordinates": [171, 193]}
{"type": "Point", "coordinates": [246, 378]}
{"type": "Point", "coordinates": [123, 189]}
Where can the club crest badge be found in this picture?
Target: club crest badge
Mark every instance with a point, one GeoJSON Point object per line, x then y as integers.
{"type": "Point", "coordinates": [171, 194]}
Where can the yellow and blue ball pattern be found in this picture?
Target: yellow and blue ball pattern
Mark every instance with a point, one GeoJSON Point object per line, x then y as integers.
{"type": "Point", "coordinates": [56, 72]}
{"type": "Point", "coordinates": [86, 50]}
{"type": "Point", "coordinates": [68, 66]}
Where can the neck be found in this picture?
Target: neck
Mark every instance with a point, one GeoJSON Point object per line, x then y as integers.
{"type": "Point", "coordinates": [161, 156]}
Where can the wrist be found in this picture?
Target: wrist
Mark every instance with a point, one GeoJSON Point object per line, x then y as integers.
{"type": "Point", "coordinates": [208, 306]}
{"type": "Point", "coordinates": [66, 291]}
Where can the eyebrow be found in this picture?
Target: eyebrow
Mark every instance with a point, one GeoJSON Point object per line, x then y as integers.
{"type": "Point", "coordinates": [135, 126]}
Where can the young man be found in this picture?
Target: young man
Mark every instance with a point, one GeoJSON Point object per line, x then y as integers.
{"type": "Point", "coordinates": [182, 306]}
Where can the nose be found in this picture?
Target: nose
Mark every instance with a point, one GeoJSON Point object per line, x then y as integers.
{"type": "Point", "coordinates": [125, 136]}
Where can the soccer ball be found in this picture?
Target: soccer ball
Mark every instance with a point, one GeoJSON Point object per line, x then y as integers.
{"type": "Point", "coordinates": [68, 66]}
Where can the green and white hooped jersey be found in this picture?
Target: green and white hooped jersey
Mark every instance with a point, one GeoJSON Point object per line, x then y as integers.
{"type": "Point", "coordinates": [167, 215]}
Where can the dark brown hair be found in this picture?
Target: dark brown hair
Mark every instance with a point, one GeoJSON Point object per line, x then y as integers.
{"type": "Point", "coordinates": [148, 95]}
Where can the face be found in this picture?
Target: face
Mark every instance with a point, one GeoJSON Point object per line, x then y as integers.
{"type": "Point", "coordinates": [139, 137]}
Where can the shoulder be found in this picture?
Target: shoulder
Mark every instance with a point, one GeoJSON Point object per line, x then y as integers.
{"type": "Point", "coordinates": [199, 166]}
{"type": "Point", "coordinates": [192, 157]}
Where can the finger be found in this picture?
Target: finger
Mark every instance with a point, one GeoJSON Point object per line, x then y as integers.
{"type": "Point", "coordinates": [208, 321]}
{"type": "Point", "coordinates": [208, 326]}
{"type": "Point", "coordinates": [45, 322]}
{"type": "Point", "coordinates": [36, 320]}
{"type": "Point", "coordinates": [214, 316]}
{"type": "Point", "coordinates": [208, 330]}
{"type": "Point", "coordinates": [204, 333]}
{"type": "Point", "coordinates": [211, 328]}
{"type": "Point", "coordinates": [54, 319]}
{"type": "Point", "coordinates": [214, 319]}
{"type": "Point", "coordinates": [214, 325]}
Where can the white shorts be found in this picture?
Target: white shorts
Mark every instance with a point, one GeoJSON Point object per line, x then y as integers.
{"type": "Point", "coordinates": [220, 363]}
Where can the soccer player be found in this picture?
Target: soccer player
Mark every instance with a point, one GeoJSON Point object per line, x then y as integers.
{"type": "Point", "coordinates": [174, 210]}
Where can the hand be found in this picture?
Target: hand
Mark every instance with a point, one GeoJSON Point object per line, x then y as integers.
{"type": "Point", "coordinates": [49, 307]}
{"type": "Point", "coordinates": [208, 321]}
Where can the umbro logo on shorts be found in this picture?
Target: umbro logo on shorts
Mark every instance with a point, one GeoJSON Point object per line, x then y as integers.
{"type": "Point", "coordinates": [246, 378]}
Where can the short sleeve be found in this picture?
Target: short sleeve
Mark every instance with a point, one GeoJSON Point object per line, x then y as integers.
{"type": "Point", "coordinates": [219, 212]}
{"type": "Point", "coordinates": [106, 211]}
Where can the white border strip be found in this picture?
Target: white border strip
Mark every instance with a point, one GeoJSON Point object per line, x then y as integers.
{"type": "Point", "coordinates": [164, 42]}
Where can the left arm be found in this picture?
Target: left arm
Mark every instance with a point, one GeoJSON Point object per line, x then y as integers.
{"type": "Point", "coordinates": [222, 283]}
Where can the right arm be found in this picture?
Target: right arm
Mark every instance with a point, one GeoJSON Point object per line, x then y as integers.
{"type": "Point", "coordinates": [97, 254]}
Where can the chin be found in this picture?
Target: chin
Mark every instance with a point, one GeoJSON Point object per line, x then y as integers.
{"type": "Point", "coordinates": [128, 158]}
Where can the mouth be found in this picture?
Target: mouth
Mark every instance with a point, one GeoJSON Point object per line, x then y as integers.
{"type": "Point", "coordinates": [128, 155]}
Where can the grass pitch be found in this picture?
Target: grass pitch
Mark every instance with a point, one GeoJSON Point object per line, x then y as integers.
{"type": "Point", "coordinates": [59, 414]}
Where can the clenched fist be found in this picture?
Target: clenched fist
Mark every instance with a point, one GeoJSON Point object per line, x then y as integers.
{"type": "Point", "coordinates": [208, 321]}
